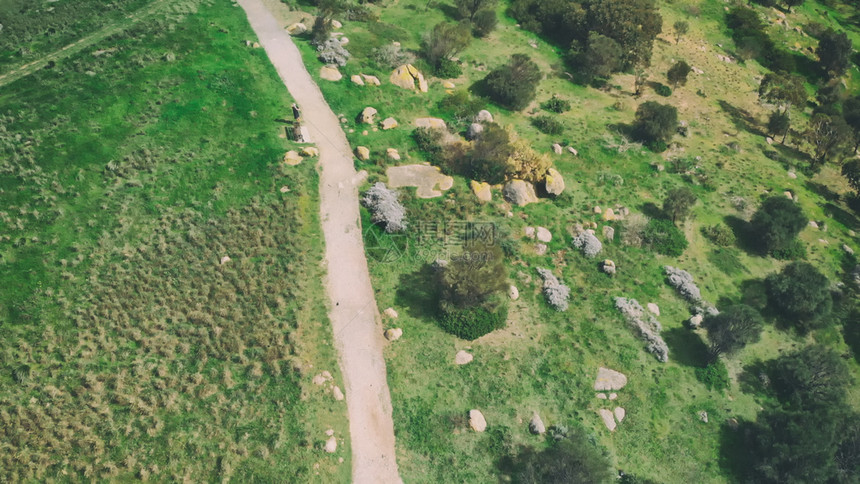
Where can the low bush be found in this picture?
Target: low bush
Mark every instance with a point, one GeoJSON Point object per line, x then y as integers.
{"type": "Point", "coordinates": [472, 323]}
{"type": "Point", "coordinates": [556, 105]}
{"type": "Point", "coordinates": [715, 375]}
{"type": "Point", "coordinates": [663, 90]}
{"type": "Point", "coordinates": [514, 84]}
{"type": "Point", "coordinates": [547, 125]}
{"type": "Point", "coordinates": [663, 237]}
{"type": "Point", "coordinates": [484, 23]}
{"type": "Point", "coordinates": [447, 69]}
{"type": "Point", "coordinates": [719, 234]}
{"type": "Point", "coordinates": [429, 140]}
{"type": "Point", "coordinates": [795, 250]}
{"type": "Point", "coordinates": [390, 56]}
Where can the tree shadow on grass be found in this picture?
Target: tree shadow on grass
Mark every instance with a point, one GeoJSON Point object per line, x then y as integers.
{"type": "Point", "coordinates": [651, 210]}
{"type": "Point", "coordinates": [686, 347]}
{"type": "Point", "coordinates": [734, 459]}
{"type": "Point", "coordinates": [842, 216]}
{"type": "Point", "coordinates": [743, 234]}
{"type": "Point", "coordinates": [741, 118]}
{"type": "Point", "coordinates": [417, 292]}
{"type": "Point", "coordinates": [825, 191]}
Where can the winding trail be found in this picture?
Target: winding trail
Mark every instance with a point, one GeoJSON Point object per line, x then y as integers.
{"type": "Point", "coordinates": [354, 315]}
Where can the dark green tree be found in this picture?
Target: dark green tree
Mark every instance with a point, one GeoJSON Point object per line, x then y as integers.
{"type": "Point", "coordinates": [732, 329]}
{"type": "Point", "coordinates": [444, 41]}
{"type": "Point", "coordinates": [681, 28]}
{"type": "Point", "coordinates": [830, 137]}
{"type": "Point", "coordinates": [677, 74]}
{"type": "Point", "coordinates": [778, 124]}
{"type": "Point", "coordinates": [601, 57]}
{"type": "Point", "coordinates": [484, 22]}
{"type": "Point", "coordinates": [851, 113]}
{"type": "Point", "coordinates": [678, 203]}
{"type": "Point", "coordinates": [776, 223]}
{"type": "Point", "coordinates": [792, 3]}
{"type": "Point", "coordinates": [851, 172]}
{"type": "Point", "coordinates": [468, 9]}
{"type": "Point", "coordinates": [655, 122]}
{"type": "Point", "coordinates": [572, 460]}
{"type": "Point", "coordinates": [811, 378]}
{"type": "Point", "coordinates": [514, 84]}
{"type": "Point", "coordinates": [834, 52]}
{"type": "Point", "coordinates": [488, 159]}
{"type": "Point", "coordinates": [800, 294]}
{"type": "Point", "coordinates": [634, 24]}
{"type": "Point", "coordinates": [784, 90]}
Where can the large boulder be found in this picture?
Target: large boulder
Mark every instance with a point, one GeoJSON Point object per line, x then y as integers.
{"type": "Point", "coordinates": [297, 28]}
{"type": "Point", "coordinates": [406, 75]}
{"type": "Point", "coordinates": [475, 130]}
{"type": "Point", "coordinates": [519, 192]}
{"type": "Point", "coordinates": [554, 183]}
{"type": "Point", "coordinates": [477, 421]}
{"type": "Point", "coordinates": [330, 73]}
{"type": "Point", "coordinates": [362, 153]}
{"type": "Point", "coordinates": [367, 114]}
{"type": "Point", "coordinates": [484, 116]}
{"type": "Point", "coordinates": [292, 158]}
{"type": "Point", "coordinates": [371, 80]}
{"type": "Point", "coordinates": [432, 123]}
{"type": "Point", "coordinates": [536, 425]}
{"type": "Point", "coordinates": [481, 190]}
{"type": "Point", "coordinates": [393, 334]}
{"type": "Point", "coordinates": [609, 380]}
{"type": "Point", "coordinates": [389, 123]}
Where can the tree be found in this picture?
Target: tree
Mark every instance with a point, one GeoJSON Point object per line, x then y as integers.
{"type": "Point", "coordinates": [784, 90]}
{"type": "Point", "coordinates": [830, 137]}
{"type": "Point", "coordinates": [634, 24]}
{"type": "Point", "coordinates": [851, 113]}
{"type": "Point", "coordinates": [468, 9]}
{"type": "Point", "coordinates": [851, 171]}
{"type": "Point", "coordinates": [484, 22]}
{"type": "Point", "coordinates": [601, 57]}
{"type": "Point", "coordinates": [801, 294]}
{"type": "Point", "coordinates": [571, 460]}
{"type": "Point", "coordinates": [778, 123]}
{"type": "Point", "coordinates": [655, 122]}
{"type": "Point", "coordinates": [681, 28]}
{"type": "Point", "coordinates": [445, 41]}
{"type": "Point", "coordinates": [640, 78]}
{"type": "Point", "coordinates": [811, 378]}
{"type": "Point", "coordinates": [489, 156]}
{"type": "Point", "coordinates": [514, 84]}
{"type": "Point", "coordinates": [732, 329]}
{"type": "Point", "coordinates": [834, 52]}
{"type": "Point", "coordinates": [677, 74]}
{"type": "Point", "coordinates": [776, 223]}
{"type": "Point", "coordinates": [471, 290]}
{"type": "Point", "coordinates": [678, 203]}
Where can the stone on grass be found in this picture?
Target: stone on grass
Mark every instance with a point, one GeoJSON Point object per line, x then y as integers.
{"type": "Point", "coordinates": [848, 250]}
{"type": "Point", "coordinates": [429, 180]}
{"type": "Point", "coordinates": [336, 25]}
{"type": "Point", "coordinates": [653, 308]}
{"type": "Point", "coordinates": [529, 232]}
{"type": "Point", "coordinates": [310, 151]}
{"type": "Point", "coordinates": [406, 75]}
{"type": "Point", "coordinates": [481, 190]}
{"type": "Point", "coordinates": [477, 421]}
{"type": "Point", "coordinates": [337, 393]}
{"type": "Point", "coordinates": [597, 209]}
{"type": "Point", "coordinates": [430, 123]}
{"type": "Point", "coordinates": [792, 175]}
{"type": "Point", "coordinates": [371, 80]}
{"type": "Point", "coordinates": [536, 425]}
{"type": "Point", "coordinates": [367, 115]}
{"type": "Point", "coordinates": [484, 116]}
{"type": "Point", "coordinates": [543, 234]}
{"type": "Point", "coordinates": [609, 380]}
{"type": "Point", "coordinates": [330, 73]}
{"type": "Point", "coordinates": [390, 312]}
{"type": "Point", "coordinates": [331, 445]}
{"type": "Point", "coordinates": [292, 158]}
{"type": "Point", "coordinates": [393, 334]}
{"type": "Point", "coordinates": [619, 413]}
{"type": "Point", "coordinates": [608, 418]}
{"type": "Point", "coordinates": [448, 85]}
{"type": "Point", "coordinates": [703, 416]}
{"type": "Point", "coordinates": [513, 293]}
{"type": "Point", "coordinates": [225, 259]}
{"type": "Point", "coordinates": [572, 151]}
{"type": "Point", "coordinates": [475, 130]}
{"type": "Point", "coordinates": [393, 153]}
{"type": "Point", "coordinates": [362, 153]}
{"type": "Point", "coordinates": [613, 396]}
{"type": "Point", "coordinates": [557, 149]}
{"type": "Point", "coordinates": [788, 195]}
{"type": "Point", "coordinates": [519, 192]}
{"type": "Point", "coordinates": [601, 396]}
{"type": "Point", "coordinates": [813, 224]}
{"type": "Point", "coordinates": [696, 321]}
{"type": "Point", "coordinates": [608, 233]}
{"type": "Point", "coordinates": [608, 266]}
{"type": "Point", "coordinates": [554, 182]}
{"type": "Point", "coordinates": [356, 79]}
{"type": "Point", "coordinates": [297, 28]}
{"type": "Point", "coordinates": [609, 215]}
{"type": "Point", "coordinates": [321, 378]}
{"type": "Point", "coordinates": [463, 358]}
{"type": "Point", "coordinates": [540, 249]}
{"type": "Point", "coordinates": [389, 123]}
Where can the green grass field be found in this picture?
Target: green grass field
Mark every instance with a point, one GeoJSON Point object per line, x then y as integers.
{"type": "Point", "coordinates": [546, 361]}
{"type": "Point", "coordinates": [128, 350]}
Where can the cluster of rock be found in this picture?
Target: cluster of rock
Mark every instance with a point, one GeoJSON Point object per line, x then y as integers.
{"type": "Point", "coordinates": [364, 80]}
{"type": "Point", "coordinates": [557, 294]}
{"type": "Point", "coordinates": [610, 380]}
{"type": "Point", "coordinates": [293, 158]}
{"type": "Point", "coordinates": [429, 180]}
{"type": "Point", "coordinates": [683, 283]}
{"type": "Point", "coordinates": [645, 324]}
{"type": "Point", "coordinates": [325, 377]}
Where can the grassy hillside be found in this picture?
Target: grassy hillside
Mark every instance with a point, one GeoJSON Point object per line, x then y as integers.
{"type": "Point", "coordinates": [546, 361]}
{"type": "Point", "coordinates": [129, 348]}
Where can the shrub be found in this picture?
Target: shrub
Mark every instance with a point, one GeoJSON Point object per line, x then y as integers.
{"type": "Point", "coordinates": [715, 375]}
{"type": "Point", "coordinates": [600, 58]}
{"type": "Point", "coordinates": [576, 458]}
{"type": "Point", "coordinates": [429, 140]}
{"type": "Point", "coordinates": [645, 324]}
{"type": "Point", "coordinates": [682, 281]}
{"type": "Point", "coordinates": [811, 377]}
{"type": "Point", "coordinates": [678, 203]}
{"type": "Point", "coordinates": [444, 41]}
{"type": "Point", "coordinates": [484, 23]}
{"type": "Point", "coordinates": [719, 234]}
{"type": "Point", "coordinates": [472, 323]}
{"type": "Point", "coordinates": [514, 84]}
{"type": "Point", "coordinates": [801, 294]}
{"type": "Point", "coordinates": [776, 223]}
{"type": "Point", "coordinates": [677, 74]}
{"type": "Point", "coordinates": [556, 104]}
{"type": "Point", "coordinates": [732, 329]}
{"type": "Point", "coordinates": [390, 56]}
{"type": "Point", "coordinates": [655, 122]}
{"type": "Point", "coordinates": [664, 238]}
{"type": "Point", "coordinates": [547, 124]}
{"type": "Point", "coordinates": [385, 209]}
{"type": "Point", "coordinates": [489, 157]}
{"type": "Point", "coordinates": [588, 244]}
{"type": "Point", "coordinates": [524, 163]}
{"type": "Point", "coordinates": [663, 90]}
{"type": "Point", "coordinates": [446, 69]}
{"type": "Point", "coordinates": [795, 250]}
{"type": "Point", "coordinates": [557, 294]}
{"type": "Point", "coordinates": [333, 52]}
{"type": "Point", "coordinates": [633, 230]}
{"type": "Point", "coordinates": [461, 106]}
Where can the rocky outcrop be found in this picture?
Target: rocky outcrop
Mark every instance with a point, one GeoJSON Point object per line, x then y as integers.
{"type": "Point", "coordinates": [609, 380]}
{"type": "Point", "coordinates": [406, 76]}
{"type": "Point", "coordinates": [554, 183]}
{"type": "Point", "coordinates": [519, 192]}
{"type": "Point", "coordinates": [431, 123]}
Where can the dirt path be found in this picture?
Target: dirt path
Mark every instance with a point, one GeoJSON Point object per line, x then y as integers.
{"type": "Point", "coordinates": [25, 70]}
{"type": "Point", "coordinates": [354, 315]}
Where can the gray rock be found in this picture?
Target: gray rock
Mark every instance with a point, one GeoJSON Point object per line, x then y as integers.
{"type": "Point", "coordinates": [608, 233]}
{"type": "Point", "coordinates": [484, 116]}
{"type": "Point", "coordinates": [554, 182]}
{"type": "Point", "coordinates": [543, 234]}
{"type": "Point", "coordinates": [609, 380]}
{"type": "Point", "coordinates": [519, 192]}
{"type": "Point", "coordinates": [475, 130]}
{"type": "Point", "coordinates": [462, 358]}
{"type": "Point", "coordinates": [513, 293]}
{"type": "Point", "coordinates": [557, 149]}
{"type": "Point", "coordinates": [536, 425]}
{"type": "Point", "coordinates": [477, 421]}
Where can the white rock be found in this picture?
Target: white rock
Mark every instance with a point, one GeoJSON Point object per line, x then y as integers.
{"type": "Point", "coordinates": [393, 153]}
{"type": "Point", "coordinates": [329, 432]}
{"type": "Point", "coordinates": [330, 73]}
{"type": "Point", "coordinates": [601, 396]}
{"type": "Point", "coordinates": [322, 378]}
{"type": "Point", "coordinates": [557, 149]}
{"type": "Point", "coordinates": [608, 233]}
{"type": "Point", "coordinates": [331, 445]}
{"type": "Point", "coordinates": [484, 116]}
{"type": "Point", "coordinates": [792, 175]}
{"type": "Point", "coordinates": [847, 249]}
{"type": "Point", "coordinates": [337, 393]}
{"type": "Point", "coordinates": [696, 321]}
{"type": "Point", "coordinates": [513, 293]}
{"type": "Point", "coordinates": [335, 24]}
{"type": "Point", "coordinates": [608, 418]}
{"type": "Point", "coordinates": [540, 249]}
{"type": "Point", "coordinates": [613, 396]}
{"type": "Point", "coordinates": [225, 259]}
{"type": "Point", "coordinates": [813, 224]}
{"type": "Point", "coordinates": [356, 79]}
{"type": "Point", "coordinates": [703, 416]}
{"type": "Point", "coordinates": [391, 313]}
{"type": "Point", "coordinates": [609, 380]}
{"type": "Point", "coordinates": [543, 234]}
{"type": "Point", "coordinates": [463, 358]}
{"type": "Point", "coordinates": [597, 209]}
{"type": "Point", "coordinates": [536, 425]}
{"type": "Point", "coordinates": [529, 232]}
{"type": "Point", "coordinates": [477, 421]}
{"type": "Point", "coordinates": [572, 151]}
{"type": "Point", "coordinates": [653, 308]}
{"type": "Point", "coordinates": [393, 334]}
